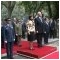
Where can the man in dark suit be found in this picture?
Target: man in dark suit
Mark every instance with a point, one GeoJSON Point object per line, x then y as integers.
{"type": "Point", "coordinates": [23, 29]}
{"type": "Point", "coordinates": [52, 28]}
{"type": "Point", "coordinates": [46, 29]}
{"type": "Point", "coordinates": [9, 38]}
{"type": "Point", "coordinates": [13, 23]}
{"type": "Point", "coordinates": [39, 28]}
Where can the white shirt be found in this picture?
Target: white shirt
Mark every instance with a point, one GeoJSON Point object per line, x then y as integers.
{"type": "Point", "coordinates": [40, 19]}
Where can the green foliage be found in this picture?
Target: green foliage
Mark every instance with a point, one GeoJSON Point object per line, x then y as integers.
{"type": "Point", "coordinates": [4, 13]}
{"type": "Point", "coordinates": [18, 11]}
{"type": "Point", "coordinates": [9, 5]}
{"type": "Point", "coordinates": [21, 8]}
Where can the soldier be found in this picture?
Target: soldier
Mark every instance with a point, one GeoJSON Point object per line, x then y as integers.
{"type": "Point", "coordinates": [9, 38]}
{"type": "Point", "coordinates": [18, 31]}
{"type": "Point", "coordinates": [46, 29]}
{"type": "Point", "coordinates": [23, 29]}
{"type": "Point", "coordinates": [52, 28]}
{"type": "Point", "coordinates": [13, 23]}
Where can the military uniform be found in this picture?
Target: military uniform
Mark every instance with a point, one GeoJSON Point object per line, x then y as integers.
{"type": "Point", "coordinates": [18, 30]}
{"type": "Point", "coordinates": [9, 38]}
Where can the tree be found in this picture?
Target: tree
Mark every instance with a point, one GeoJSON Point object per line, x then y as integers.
{"type": "Point", "coordinates": [56, 9]}
{"type": "Point", "coordinates": [49, 9]}
{"type": "Point", "coordinates": [31, 6]}
{"type": "Point", "coordinates": [9, 5]}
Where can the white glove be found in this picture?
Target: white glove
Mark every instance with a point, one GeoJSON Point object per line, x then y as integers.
{"type": "Point", "coordinates": [36, 31]}
{"type": "Point", "coordinates": [29, 33]}
{"type": "Point", "coordinates": [14, 39]}
{"type": "Point", "coordinates": [26, 33]}
{"type": "Point", "coordinates": [16, 34]}
{"type": "Point", "coordinates": [44, 32]}
{"type": "Point", "coordinates": [5, 41]}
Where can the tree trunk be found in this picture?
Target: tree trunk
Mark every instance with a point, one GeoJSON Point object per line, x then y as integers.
{"type": "Point", "coordinates": [10, 6]}
{"type": "Point", "coordinates": [49, 9]}
{"type": "Point", "coordinates": [9, 13]}
{"type": "Point", "coordinates": [56, 4]}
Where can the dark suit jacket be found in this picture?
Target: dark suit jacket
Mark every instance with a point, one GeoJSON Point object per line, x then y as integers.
{"type": "Point", "coordinates": [14, 27]}
{"type": "Point", "coordinates": [52, 25]}
{"type": "Point", "coordinates": [9, 33]}
{"type": "Point", "coordinates": [24, 27]}
{"type": "Point", "coordinates": [46, 27]}
{"type": "Point", "coordinates": [38, 25]}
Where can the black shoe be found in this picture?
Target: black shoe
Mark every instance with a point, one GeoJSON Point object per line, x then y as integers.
{"type": "Point", "coordinates": [46, 43]}
{"type": "Point", "coordinates": [11, 58]}
{"type": "Point", "coordinates": [40, 46]}
{"type": "Point", "coordinates": [19, 45]}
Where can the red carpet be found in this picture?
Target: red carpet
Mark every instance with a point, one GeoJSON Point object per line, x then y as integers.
{"type": "Point", "coordinates": [37, 52]}
{"type": "Point", "coordinates": [54, 55]}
